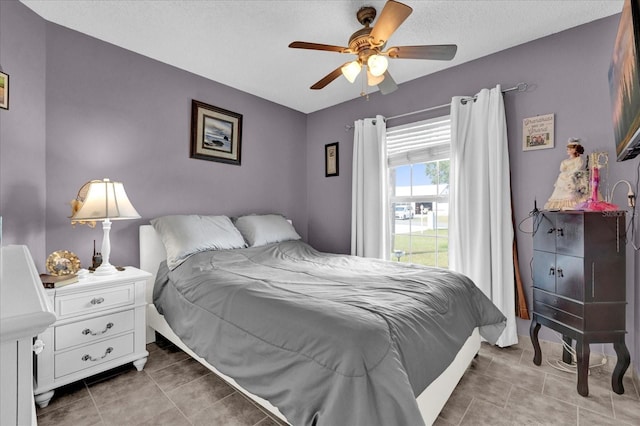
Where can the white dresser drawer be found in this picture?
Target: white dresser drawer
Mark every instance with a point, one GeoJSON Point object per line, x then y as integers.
{"type": "Point", "coordinates": [94, 301]}
{"type": "Point", "coordinates": [87, 331]}
{"type": "Point", "coordinates": [92, 355]}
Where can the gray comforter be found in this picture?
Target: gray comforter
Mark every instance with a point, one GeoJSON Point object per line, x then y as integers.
{"type": "Point", "coordinates": [328, 339]}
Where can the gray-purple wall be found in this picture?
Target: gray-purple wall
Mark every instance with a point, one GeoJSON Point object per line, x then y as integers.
{"type": "Point", "coordinates": [113, 113]}
{"type": "Point", "coordinates": [82, 109]}
{"type": "Point", "coordinates": [567, 75]}
{"type": "Point", "coordinates": [22, 129]}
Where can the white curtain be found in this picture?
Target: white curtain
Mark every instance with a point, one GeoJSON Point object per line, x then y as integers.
{"type": "Point", "coordinates": [369, 210]}
{"type": "Point", "coordinates": [480, 225]}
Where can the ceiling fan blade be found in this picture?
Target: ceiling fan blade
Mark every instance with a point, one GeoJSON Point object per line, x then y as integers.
{"type": "Point", "coordinates": [388, 85]}
{"type": "Point", "coordinates": [392, 16]}
{"type": "Point", "coordinates": [318, 46]}
{"type": "Point", "coordinates": [328, 78]}
{"type": "Point", "coordinates": [439, 52]}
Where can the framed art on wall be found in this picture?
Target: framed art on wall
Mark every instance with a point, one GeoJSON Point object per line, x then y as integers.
{"type": "Point", "coordinates": [538, 132]}
{"type": "Point", "coordinates": [216, 133]}
{"type": "Point", "coordinates": [4, 90]}
{"type": "Point", "coordinates": [331, 164]}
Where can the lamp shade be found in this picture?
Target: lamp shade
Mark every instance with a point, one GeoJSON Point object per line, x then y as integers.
{"type": "Point", "coordinates": [106, 200]}
{"type": "Point", "coordinates": [373, 80]}
{"type": "Point", "coordinates": [377, 64]}
{"type": "Point", "coordinates": [351, 70]}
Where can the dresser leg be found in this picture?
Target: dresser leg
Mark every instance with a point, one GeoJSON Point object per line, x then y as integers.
{"type": "Point", "coordinates": [621, 366]}
{"type": "Point", "coordinates": [42, 399]}
{"type": "Point", "coordinates": [139, 363]}
{"type": "Point", "coordinates": [583, 353]}
{"type": "Point", "coordinates": [533, 332]}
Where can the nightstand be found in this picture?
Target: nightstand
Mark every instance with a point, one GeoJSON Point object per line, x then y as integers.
{"type": "Point", "coordinates": [579, 286]}
{"type": "Point", "coordinates": [100, 325]}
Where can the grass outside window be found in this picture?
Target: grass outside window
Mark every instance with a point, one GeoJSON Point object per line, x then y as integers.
{"type": "Point", "coordinates": [430, 248]}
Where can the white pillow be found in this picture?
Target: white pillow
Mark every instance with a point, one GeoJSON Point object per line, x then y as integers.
{"type": "Point", "coordinates": [259, 230]}
{"type": "Point", "coordinates": [184, 235]}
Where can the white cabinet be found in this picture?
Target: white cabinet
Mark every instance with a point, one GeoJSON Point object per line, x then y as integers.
{"type": "Point", "coordinates": [25, 311]}
{"type": "Point", "coordinates": [100, 325]}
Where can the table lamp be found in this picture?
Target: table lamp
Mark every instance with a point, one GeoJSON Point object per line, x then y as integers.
{"type": "Point", "coordinates": [105, 201]}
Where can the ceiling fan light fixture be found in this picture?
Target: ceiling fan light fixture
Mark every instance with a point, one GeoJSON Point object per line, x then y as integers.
{"type": "Point", "coordinates": [368, 43]}
{"type": "Point", "coordinates": [377, 64]}
{"type": "Point", "coordinates": [351, 70]}
{"type": "Point", "coordinates": [373, 80]}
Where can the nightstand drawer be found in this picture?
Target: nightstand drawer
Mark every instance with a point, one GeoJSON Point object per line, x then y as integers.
{"type": "Point", "coordinates": [84, 332]}
{"type": "Point", "coordinates": [94, 301]}
{"type": "Point", "coordinates": [92, 355]}
{"type": "Point", "coordinates": [558, 315]}
{"type": "Point", "coordinates": [559, 302]}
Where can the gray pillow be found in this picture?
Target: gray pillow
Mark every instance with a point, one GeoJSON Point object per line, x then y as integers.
{"type": "Point", "coordinates": [184, 235]}
{"type": "Point", "coordinates": [259, 230]}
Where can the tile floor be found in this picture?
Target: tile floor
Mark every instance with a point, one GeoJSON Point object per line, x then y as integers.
{"type": "Point", "coordinates": [501, 387]}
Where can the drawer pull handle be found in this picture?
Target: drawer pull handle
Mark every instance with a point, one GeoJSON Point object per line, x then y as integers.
{"type": "Point", "coordinates": [560, 274]}
{"type": "Point", "coordinates": [88, 357]}
{"type": "Point", "coordinates": [97, 301]}
{"type": "Point", "coordinates": [88, 331]}
{"type": "Point", "coordinates": [552, 271]}
{"type": "Point", "coordinates": [551, 230]}
{"type": "Point", "coordinates": [559, 232]}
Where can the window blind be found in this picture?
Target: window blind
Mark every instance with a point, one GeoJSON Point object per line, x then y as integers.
{"type": "Point", "coordinates": [417, 142]}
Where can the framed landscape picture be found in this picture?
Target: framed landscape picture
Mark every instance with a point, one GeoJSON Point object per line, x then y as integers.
{"type": "Point", "coordinates": [216, 134]}
{"type": "Point", "coordinates": [4, 90]}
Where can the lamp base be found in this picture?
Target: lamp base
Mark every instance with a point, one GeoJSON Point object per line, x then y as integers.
{"type": "Point", "coordinates": [107, 269]}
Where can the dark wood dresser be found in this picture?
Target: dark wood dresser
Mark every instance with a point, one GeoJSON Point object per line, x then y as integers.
{"type": "Point", "coordinates": [579, 285]}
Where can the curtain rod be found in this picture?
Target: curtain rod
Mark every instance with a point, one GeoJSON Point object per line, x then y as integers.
{"type": "Point", "coordinates": [520, 87]}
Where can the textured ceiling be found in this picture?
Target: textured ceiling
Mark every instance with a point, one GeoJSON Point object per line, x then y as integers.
{"type": "Point", "coordinates": [243, 44]}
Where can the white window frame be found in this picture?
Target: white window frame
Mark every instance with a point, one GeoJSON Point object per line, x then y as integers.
{"type": "Point", "coordinates": [414, 143]}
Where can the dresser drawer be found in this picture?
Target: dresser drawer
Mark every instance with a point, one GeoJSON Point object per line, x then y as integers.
{"type": "Point", "coordinates": [558, 315]}
{"type": "Point", "coordinates": [94, 301]}
{"type": "Point", "coordinates": [87, 331]}
{"type": "Point", "coordinates": [558, 302]}
{"type": "Point", "coordinates": [92, 355]}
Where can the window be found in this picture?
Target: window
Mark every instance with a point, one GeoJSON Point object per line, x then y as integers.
{"type": "Point", "coordinates": [418, 158]}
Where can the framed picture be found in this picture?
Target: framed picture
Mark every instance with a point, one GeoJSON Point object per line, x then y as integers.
{"type": "Point", "coordinates": [4, 90]}
{"type": "Point", "coordinates": [537, 132]}
{"type": "Point", "coordinates": [331, 163]}
{"type": "Point", "coordinates": [216, 134]}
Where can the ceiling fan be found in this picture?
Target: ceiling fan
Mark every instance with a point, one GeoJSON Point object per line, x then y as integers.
{"type": "Point", "coordinates": [369, 43]}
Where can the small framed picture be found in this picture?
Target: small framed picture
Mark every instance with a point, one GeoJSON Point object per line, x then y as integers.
{"type": "Point", "coordinates": [4, 90]}
{"type": "Point", "coordinates": [331, 159]}
{"type": "Point", "coordinates": [538, 132]}
{"type": "Point", "coordinates": [216, 134]}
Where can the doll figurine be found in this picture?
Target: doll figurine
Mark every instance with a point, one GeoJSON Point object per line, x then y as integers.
{"type": "Point", "coordinates": [572, 186]}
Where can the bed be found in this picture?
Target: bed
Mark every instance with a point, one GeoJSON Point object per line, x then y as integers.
{"type": "Point", "coordinates": [338, 356]}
